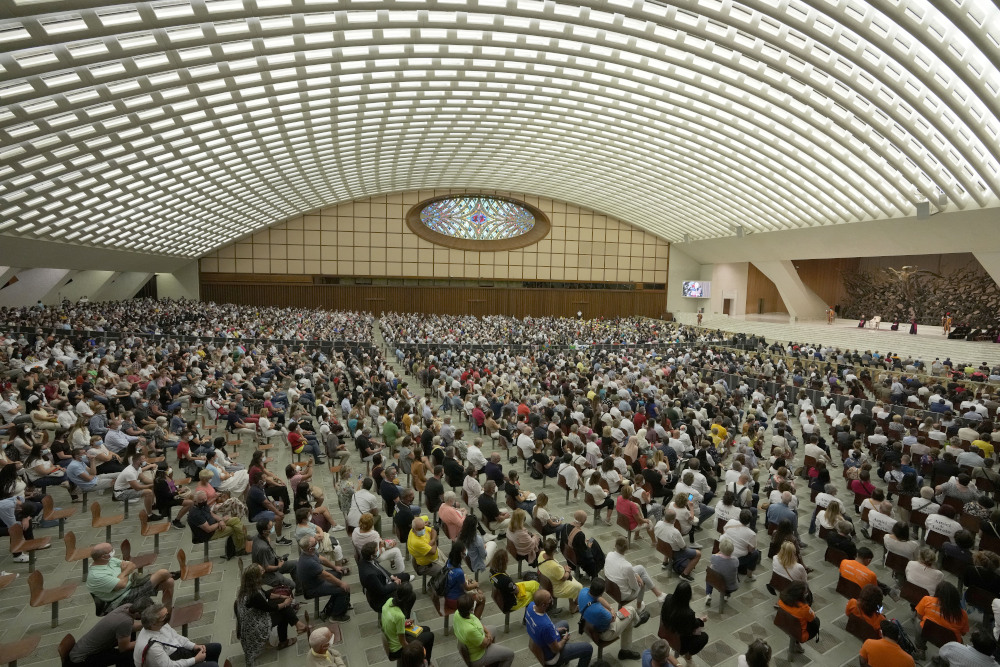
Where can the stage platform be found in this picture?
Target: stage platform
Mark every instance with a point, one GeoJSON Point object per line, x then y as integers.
{"type": "Point", "coordinates": [927, 344]}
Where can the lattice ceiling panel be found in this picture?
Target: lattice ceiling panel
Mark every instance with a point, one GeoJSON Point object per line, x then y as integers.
{"type": "Point", "coordinates": [176, 127]}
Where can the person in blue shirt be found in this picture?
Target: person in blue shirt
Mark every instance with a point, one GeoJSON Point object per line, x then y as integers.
{"type": "Point", "coordinates": [605, 618]}
{"type": "Point", "coordinates": [658, 655]}
{"type": "Point", "coordinates": [552, 639]}
{"type": "Point", "coordinates": [457, 585]}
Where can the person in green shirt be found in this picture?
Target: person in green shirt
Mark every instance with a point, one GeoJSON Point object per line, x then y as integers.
{"type": "Point", "coordinates": [480, 641]}
{"type": "Point", "coordinates": [394, 614]}
{"type": "Point", "coordinates": [389, 433]}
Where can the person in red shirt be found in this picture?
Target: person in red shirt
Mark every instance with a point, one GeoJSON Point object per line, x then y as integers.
{"type": "Point", "coordinates": [886, 652]}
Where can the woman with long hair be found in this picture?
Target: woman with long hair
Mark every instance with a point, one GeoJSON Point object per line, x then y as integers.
{"type": "Point", "coordinates": [480, 553]}
{"type": "Point", "coordinates": [541, 513]}
{"type": "Point", "coordinates": [868, 606]}
{"type": "Point", "coordinates": [945, 609]}
{"type": "Point", "coordinates": [258, 610]}
{"type": "Point", "coordinates": [275, 487]}
{"type": "Point", "coordinates": [786, 563]}
{"type": "Point", "coordinates": [525, 542]}
{"type": "Point", "coordinates": [42, 473]}
{"type": "Point", "coordinates": [793, 600]}
{"type": "Point", "coordinates": [676, 614]}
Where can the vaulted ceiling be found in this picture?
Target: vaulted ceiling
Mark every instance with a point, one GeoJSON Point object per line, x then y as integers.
{"type": "Point", "coordinates": [175, 127]}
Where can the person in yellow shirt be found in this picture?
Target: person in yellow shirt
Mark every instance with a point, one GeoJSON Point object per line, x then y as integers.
{"type": "Point", "coordinates": [422, 545]}
{"type": "Point", "coordinates": [986, 447]}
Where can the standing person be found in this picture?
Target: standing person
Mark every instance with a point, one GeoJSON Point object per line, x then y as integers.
{"type": "Point", "coordinates": [604, 618]}
{"type": "Point", "coordinates": [480, 641]}
{"type": "Point", "coordinates": [676, 614]}
{"type": "Point", "coordinates": [315, 575]}
{"type": "Point", "coordinates": [793, 600]}
{"type": "Point", "coordinates": [159, 645]}
{"type": "Point", "coordinates": [399, 632]}
{"type": "Point", "coordinates": [550, 641]}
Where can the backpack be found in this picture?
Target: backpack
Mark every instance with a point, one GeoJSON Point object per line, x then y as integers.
{"type": "Point", "coordinates": [439, 581]}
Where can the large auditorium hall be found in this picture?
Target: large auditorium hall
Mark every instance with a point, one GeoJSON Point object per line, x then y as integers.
{"type": "Point", "coordinates": [421, 333]}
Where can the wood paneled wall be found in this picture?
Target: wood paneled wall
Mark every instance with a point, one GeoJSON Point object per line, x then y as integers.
{"type": "Point", "coordinates": [434, 299]}
{"type": "Point", "coordinates": [825, 277]}
{"type": "Point", "coordinates": [760, 287]}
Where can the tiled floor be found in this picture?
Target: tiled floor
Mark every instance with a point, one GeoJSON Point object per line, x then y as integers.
{"type": "Point", "coordinates": [747, 616]}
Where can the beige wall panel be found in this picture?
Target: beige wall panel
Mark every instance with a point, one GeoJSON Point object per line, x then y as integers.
{"type": "Point", "coordinates": [370, 237]}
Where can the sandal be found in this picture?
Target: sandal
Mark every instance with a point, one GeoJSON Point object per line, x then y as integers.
{"type": "Point", "coordinates": [285, 644]}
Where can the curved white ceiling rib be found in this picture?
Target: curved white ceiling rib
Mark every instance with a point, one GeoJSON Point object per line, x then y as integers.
{"type": "Point", "coordinates": [174, 127]}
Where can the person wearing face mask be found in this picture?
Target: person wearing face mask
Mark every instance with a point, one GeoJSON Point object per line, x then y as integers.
{"type": "Point", "coordinates": [259, 507]}
{"type": "Point", "coordinates": [127, 486]}
{"type": "Point", "coordinates": [263, 554]}
{"type": "Point", "coordinates": [115, 582]}
{"type": "Point", "coordinates": [317, 576]}
{"type": "Point", "coordinates": [206, 526]}
{"type": "Point", "coordinates": [83, 473]}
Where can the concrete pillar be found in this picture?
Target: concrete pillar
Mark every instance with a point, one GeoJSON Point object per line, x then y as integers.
{"type": "Point", "coordinates": [802, 303]}
{"type": "Point", "coordinates": [181, 284]}
{"type": "Point", "coordinates": [32, 286]}
{"type": "Point", "coordinates": [990, 262]}
{"type": "Point", "coordinates": [6, 273]}
{"type": "Point", "coordinates": [121, 286]}
{"type": "Point", "coordinates": [82, 283]}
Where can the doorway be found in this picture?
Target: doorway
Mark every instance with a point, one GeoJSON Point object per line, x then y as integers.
{"type": "Point", "coordinates": [727, 306]}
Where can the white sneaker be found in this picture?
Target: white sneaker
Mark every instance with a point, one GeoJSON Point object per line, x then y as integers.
{"type": "Point", "coordinates": [23, 558]}
{"type": "Point", "coordinates": [663, 596]}
{"type": "Point", "coordinates": [708, 600]}
{"type": "Point", "coordinates": [337, 529]}
{"type": "Point", "coordinates": [5, 573]}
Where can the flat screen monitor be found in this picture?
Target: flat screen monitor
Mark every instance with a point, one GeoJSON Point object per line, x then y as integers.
{"type": "Point", "coordinates": [697, 289]}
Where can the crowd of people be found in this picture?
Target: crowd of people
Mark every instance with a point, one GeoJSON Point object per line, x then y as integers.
{"type": "Point", "coordinates": [655, 441]}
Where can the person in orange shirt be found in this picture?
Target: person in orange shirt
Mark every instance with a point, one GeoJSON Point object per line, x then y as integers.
{"type": "Point", "coordinates": [867, 606]}
{"type": "Point", "coordinates": [945, 609]}
{"type": "Point", "coordinates": [857, 570]}
{"type": "Point", "coordinates": [793, 600]}
{"type": "Point", "coordinates": [886, 652]}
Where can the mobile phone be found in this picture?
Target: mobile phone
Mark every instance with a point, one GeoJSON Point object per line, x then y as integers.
{"type": "Point", "coordinates": [690, 496]}
{"type": "Point", "coordinates": [881, 609]}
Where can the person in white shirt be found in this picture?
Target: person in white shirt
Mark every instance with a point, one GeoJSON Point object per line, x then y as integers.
{"type": "Point", "coordinates": [83, 409]}
{"type": "Point", "coordinates": [899, 542]}
{"type": "Point", "coordinates": [127, 486]}
{"type": "Point", "coordinates": [570, 474]}
{"type": "Point", "coordinates": [685, 557]}
{"type": "Point", "coordinates": [882, 519]}
{"type": "Point", "coordinates": [943, 522]}
{"type": "Point", "coordinates": [785, 564]}
{"type": "Point", "coordinates": [157, 643]}
{"type": "Point", "coordinates": [744, 543]}
{"type": "Point", "coordinates": [726, 509]}
{"type": "Point", "coordinates": [474, 455]}
{"type": "Point", "coordinates": [471, 486]}
{"type": "Point", "coordinates": [921, 572]}
{"type": "Point", "coordinates": [633, 580]}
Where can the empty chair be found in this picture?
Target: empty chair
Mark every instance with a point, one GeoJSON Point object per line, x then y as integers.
{"type": "Point", "coordinates": [22, 648]}
{"type": "Point", "coordinates": [73, 554]}
{"type": "Point", "coordinates": [50, 513]}
{"type": "Point", "coordinates": [18, 543]}
{"type": "Point", "coordinates": [146, 529]}
{"type": "Point", "coordinates": [40, 596]}
{"type": "Point", "coordinates": [186, 615]}
{"type": "Point", "coordinates": [141, 561]}
{"type": "Point", "coordinates": [105, 522]}
{"type": "Point", "coordinates": [193, 572]}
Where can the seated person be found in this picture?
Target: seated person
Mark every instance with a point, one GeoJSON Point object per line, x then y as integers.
{"type": "Point", "coordinates": [109, 642]}
{"type": "Point", "coordinates": [603, 616]}
{"type": "Point", "coordinates": [115, 582]}
{"type": "Point", "coordinates": [867, 607]}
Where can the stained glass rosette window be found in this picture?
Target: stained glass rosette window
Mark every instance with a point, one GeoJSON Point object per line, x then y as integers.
{"type": "Point", "coordinates": [477, 218]}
